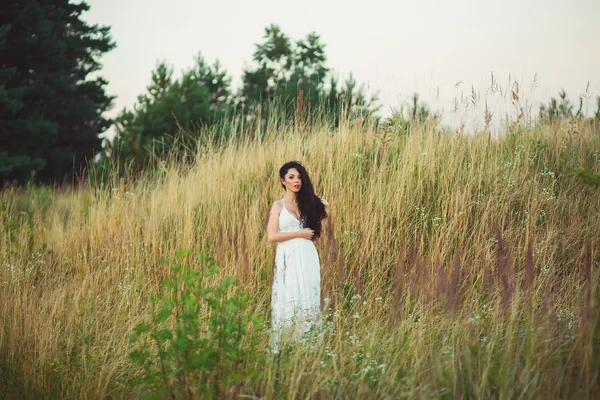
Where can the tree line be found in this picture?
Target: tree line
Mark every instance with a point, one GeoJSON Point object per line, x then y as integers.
{"type": "Point", "coordinates": [52, 100]}
{"type": "Point", "coordinates": [287, 79]}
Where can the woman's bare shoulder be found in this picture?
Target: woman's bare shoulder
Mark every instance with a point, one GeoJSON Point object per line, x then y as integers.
{"type": "Point", "coordinates": [276, 206]}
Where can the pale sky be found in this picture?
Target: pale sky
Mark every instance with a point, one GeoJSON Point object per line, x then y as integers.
{"type": "Point", "coordinates": [393, 47]}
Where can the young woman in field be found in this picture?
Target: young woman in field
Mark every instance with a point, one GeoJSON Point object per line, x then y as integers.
{"type": "Point", "coordinates": [294, 223]}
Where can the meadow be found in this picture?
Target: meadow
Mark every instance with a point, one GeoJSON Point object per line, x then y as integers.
{"type": "Point", "coordinates": [453, 265]}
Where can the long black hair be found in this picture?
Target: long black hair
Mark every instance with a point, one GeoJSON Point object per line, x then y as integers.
{"type": "Point", "coordinates": [312, 209]}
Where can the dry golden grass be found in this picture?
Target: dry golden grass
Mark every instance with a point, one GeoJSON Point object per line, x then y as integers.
{"type": "Point", "coordinates": [431, 230]}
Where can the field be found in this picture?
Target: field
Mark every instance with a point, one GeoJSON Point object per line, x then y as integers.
{"type": "Point", "coordinates": [453, 266]}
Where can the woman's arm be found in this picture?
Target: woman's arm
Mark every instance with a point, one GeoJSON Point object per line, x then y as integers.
{"type": "Point", "coordinates": [273, 236]}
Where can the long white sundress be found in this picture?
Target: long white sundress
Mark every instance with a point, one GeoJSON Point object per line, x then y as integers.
{"type": "Point", "coordinates": [296, 293]}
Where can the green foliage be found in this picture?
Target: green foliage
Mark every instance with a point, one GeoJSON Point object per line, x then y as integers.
{"type": "Point", "coordinates": [402, 119]}
{"type": "Point", "coordinates": [8, 222]}
{"type": "Point", "coordinates": [285, 69]}
{"type": "Point", "coordinates": [289, 81]}
{"type": "Point", "coordinates": [556, 109]}
{"type": "Point", "coordinates": [50, 108]}
{"type": "Point", "coordinates": [563, 109]}
{"type": "Point", "coordinates": [171, 109]}
{"type": "Point", "coordinates": [200, 340]}
{"type": "Point", "coordinates": [587, 177]}
{"type": "Point", "coordinates": [295, 75]}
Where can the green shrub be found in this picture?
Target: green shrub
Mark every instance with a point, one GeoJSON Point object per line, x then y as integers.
{"type": "Point", "coordinates": [199, 340]}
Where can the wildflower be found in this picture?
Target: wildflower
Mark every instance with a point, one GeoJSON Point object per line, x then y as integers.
{"type": "Point", "coordinates": [545, 172]}
{"type": "Point", "coordinates": [542, 215]}
{"type": "Point", "coordinates": [354, 340]}
{"type": "Point", "coordinates": [544, 269]}
{"type": "Point", "coordinates": [121, 288]}
{"type": "Point", "coordinates": [549, 193]}
{"type": "Point", "coordinates": [378, 298]}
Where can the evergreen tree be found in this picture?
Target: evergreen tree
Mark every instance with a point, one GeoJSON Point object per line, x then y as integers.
{"type": "Point", "coordinates": [171, 108]}
{"type": "Point", "coordinates": [294, 75]}
{"type": "Point", "coordinates": [286, 73]}
{"type": "Point", "coordinates": [555, 110]}
{"type": "Point", "coordinates": [288, 80]}
{"type": "Point", "coordinates": [51, 112]}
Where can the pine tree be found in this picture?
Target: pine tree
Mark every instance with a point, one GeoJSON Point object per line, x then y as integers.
{"type": "Point", "coordinates": [171, 109]}
{"type": "Point", "coordinates": [294, 75]}
{"type": "Point", "coordinates": [51, 111]}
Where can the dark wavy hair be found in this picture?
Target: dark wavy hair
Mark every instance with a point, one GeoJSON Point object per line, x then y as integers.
{"type": "Point", "coordinates": [312, 210]}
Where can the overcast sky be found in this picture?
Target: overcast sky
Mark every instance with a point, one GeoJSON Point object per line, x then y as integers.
{"type": "Point", "coordinates": [393, 47]}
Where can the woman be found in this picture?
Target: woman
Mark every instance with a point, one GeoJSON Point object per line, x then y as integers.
{"type": "Point", "coordinates": [294, 223]}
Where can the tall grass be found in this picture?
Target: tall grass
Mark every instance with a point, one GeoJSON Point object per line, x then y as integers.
{"type": "Point", "coordinates": [452, 265]}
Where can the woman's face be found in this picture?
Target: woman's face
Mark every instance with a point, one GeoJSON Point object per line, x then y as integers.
{"type": "Point", "coordinates": [292, 180]}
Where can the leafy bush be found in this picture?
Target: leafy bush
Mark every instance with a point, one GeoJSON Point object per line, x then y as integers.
{"type": "Point", "coordinates": [200, 340]}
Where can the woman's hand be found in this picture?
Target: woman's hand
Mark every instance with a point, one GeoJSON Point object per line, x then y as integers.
{"type": "Point", "coordinates": [307, 233]}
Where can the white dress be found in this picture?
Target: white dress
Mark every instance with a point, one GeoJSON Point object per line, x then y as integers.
{"type": "Point", "coordinates": [296, 293]}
